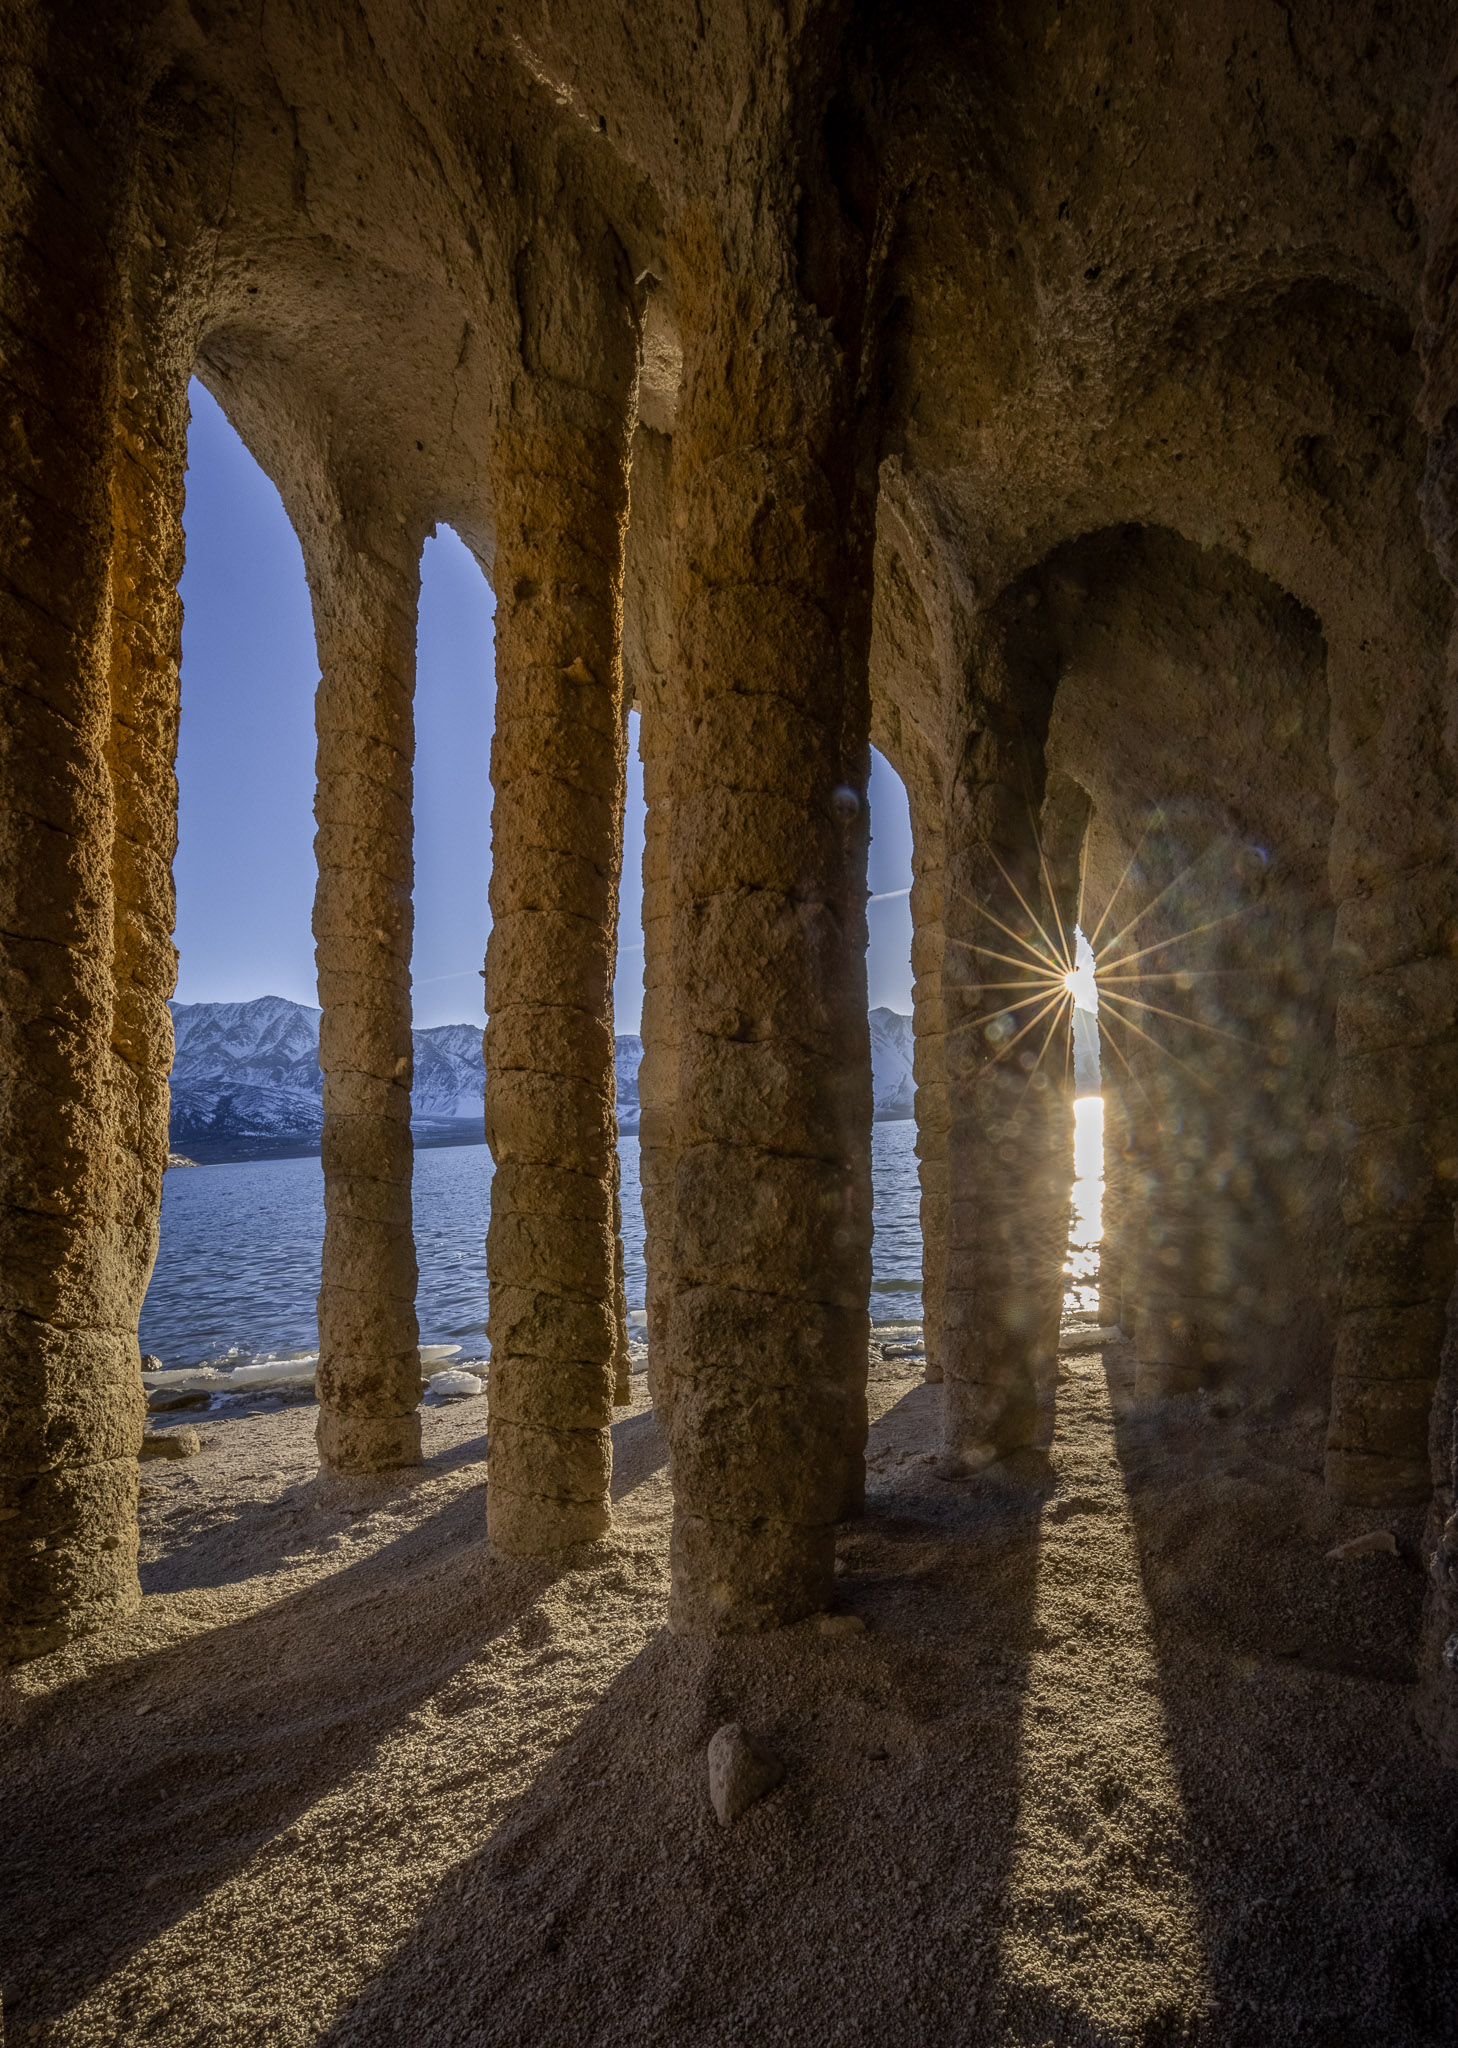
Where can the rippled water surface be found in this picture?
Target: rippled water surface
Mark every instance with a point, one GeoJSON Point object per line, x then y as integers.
{"type": "Point", "coordinates": [239, 1262]}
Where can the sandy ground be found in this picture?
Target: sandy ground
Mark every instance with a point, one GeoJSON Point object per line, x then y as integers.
{"type": "Point", "coordinates": [1120, 1757]}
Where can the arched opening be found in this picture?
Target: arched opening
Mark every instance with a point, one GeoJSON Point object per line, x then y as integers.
{"type": "Point", "coordinates": [1155, 769]}
{"type": "Point", "coordinates": [897, 1314]}
{"type": "Point", "coordinates": [238, 1263]}
{"type": "Point", "coordinates": [1190, 717]}
{"type": "Point", "coordinates": [628, 1048]}
{"type": "Point", "coordinates": [451, 1174]}
{"type": "Point", "coordinates": [1081, 1297]}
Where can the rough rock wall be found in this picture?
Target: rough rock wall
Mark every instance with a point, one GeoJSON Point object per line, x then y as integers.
{"type": "Point", "coordinates": [1437, 188]}
{"type": "Point", "coordinates": [1055, 273]}
{"type": "Point", "coordinates": [75, 1235]}
{"type": "Point", "coordinates": [1101, 382]}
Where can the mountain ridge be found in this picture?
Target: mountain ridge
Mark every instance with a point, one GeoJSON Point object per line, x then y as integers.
{"type": "Point", "coordinates": [246, 1080]}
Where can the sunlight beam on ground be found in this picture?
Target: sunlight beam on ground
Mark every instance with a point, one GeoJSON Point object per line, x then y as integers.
{"type": "Point", "coordinates": [1102, 1936]}
{"type": "Point", "coordinates": [287, 1941]}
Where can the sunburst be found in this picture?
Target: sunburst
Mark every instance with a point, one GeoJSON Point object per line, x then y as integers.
{"type": "Point", "coordinates": [1050, 979]}
{"type": "Point", "coordinates": [1048, 971]}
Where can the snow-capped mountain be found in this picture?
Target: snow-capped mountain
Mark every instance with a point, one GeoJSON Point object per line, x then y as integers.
{"type": "Point", "coordinates": [450, 1080]}
{"type": "Point", "coordinates": [246, 1079]}
{"type": "Point", "coordinates": [245, 1071]}
{"type": "Point", "coordinates": [892, 1085]}
{"type": "Point", "coordinates": [626, 1059]}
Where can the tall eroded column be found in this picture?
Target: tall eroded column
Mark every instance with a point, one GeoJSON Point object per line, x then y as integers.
{"type": "Point", "coordinates": [1010, 1124]}
{"type": "Point", "coordinates": [1394, 882]}
{"type": "Point", "coordinates": [365, 591]}
{"type": "Point", "coordinates": [70, 1393]}
{"type": "Point", "coordinates": [767, 1346]}
{"type": "Point", "coordinates": [560, 483]}
{"type": "Point", "coordinates": [146, 652]}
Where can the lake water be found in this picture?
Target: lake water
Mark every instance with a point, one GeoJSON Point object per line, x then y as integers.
{"type": "Point", "coordinates": [238, 1268]}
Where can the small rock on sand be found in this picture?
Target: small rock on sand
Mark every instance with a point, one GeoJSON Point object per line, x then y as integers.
{"type": "Point", "coordinates": [842, 1625]}
{"type": "Point", "coordinates": [741, 1770]}
{"type": "Point", "coordinates": [171, 1443]}
{"type": "Point", "coordinates": [1376, 1543]}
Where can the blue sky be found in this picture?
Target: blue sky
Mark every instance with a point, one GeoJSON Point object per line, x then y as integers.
{"type": "Point", "coordinates": [245, 860]}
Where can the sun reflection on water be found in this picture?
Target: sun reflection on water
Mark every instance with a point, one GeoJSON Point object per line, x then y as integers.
{"type": "Point", "coordinates": [1086, 1226]}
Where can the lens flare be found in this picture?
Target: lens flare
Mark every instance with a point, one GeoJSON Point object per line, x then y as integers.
{"type": "Point", "coordinates": [1067, 980]}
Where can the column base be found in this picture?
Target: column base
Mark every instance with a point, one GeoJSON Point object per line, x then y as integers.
{"type": "Point", "coordinates": [1365, 1479]}
{"type": "Point", "coordinates": [532, 1525]}
{"type": "Point", "coordinates": [367, 1443]}
{"type": "Point", "coordinates": [988, 1419]}
{"type": "Point", "coordinates": [68, 1555]}
{"type": "Point", "coordinates": [736, 1578]}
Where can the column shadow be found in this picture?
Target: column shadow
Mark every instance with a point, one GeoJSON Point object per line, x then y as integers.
{"type": "Point", "coordinates": [639, 1450]}
{"type": "Point", "coordinates": [134, 1792]}
{"type": "Point", "coordinates": [1322, 1837]}
{"type": "Point", "coordinates": [859, 1902]}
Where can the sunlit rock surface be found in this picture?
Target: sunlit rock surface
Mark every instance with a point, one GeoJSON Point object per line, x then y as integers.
{"type": "Point", "coordinates": [1063, 401]}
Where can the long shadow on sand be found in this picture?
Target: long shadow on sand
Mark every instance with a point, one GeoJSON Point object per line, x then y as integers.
{"type": "Point", "coordinates": [1326, 1836]}
{"type": "Point", "coordinates": [230, 1543]}
{"type": "Point", "coordinates": [213, 1747]}
{"type": "Point", "coordinates": [859, 1903]}
{"type": "Point", "coordinates": [240, 1539]}
{"type": "Point", "coordinates": [638, 1452]}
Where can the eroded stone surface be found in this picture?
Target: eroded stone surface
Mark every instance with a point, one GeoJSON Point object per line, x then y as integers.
{"type": "Point", "coordinates": [1065, 404]}
{"type": "Point", "coordinates": [365, 582]}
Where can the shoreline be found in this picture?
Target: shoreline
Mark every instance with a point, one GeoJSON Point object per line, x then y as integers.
{"type": "Point", "coordinates": [202, 1151]}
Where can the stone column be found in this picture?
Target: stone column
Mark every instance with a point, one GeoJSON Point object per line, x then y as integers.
{"type": "Point", "coordinates": [1436, 185]}
{"type": "Point", "coordinates": [1010, 1132]}
{"type": "Point", "coordinates": [365, 590]}
{"type": "Point", "coordinates": [146, 652]}
{"type": "Point", "coordinates": [560, 484]}
{"type": "Point", "coordinates": [768, 1320]}
{"type": "Point", "coordinates": [1396, 891]}
{"type": "Point", "coordinates": [70, 1270]}
{"type": "Point", "coordinates": [1395, 1089]}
